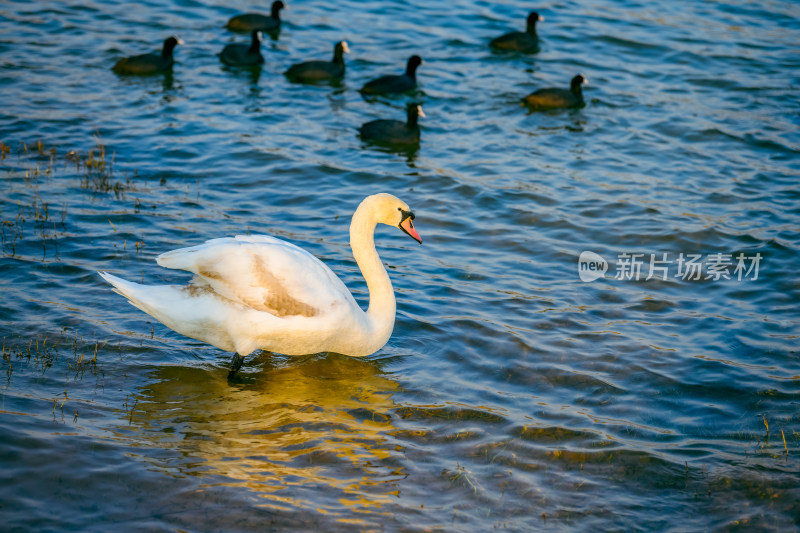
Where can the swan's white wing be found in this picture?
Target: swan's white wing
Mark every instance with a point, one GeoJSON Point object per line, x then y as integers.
{"type": "Point", "coordinates": [264, 273]}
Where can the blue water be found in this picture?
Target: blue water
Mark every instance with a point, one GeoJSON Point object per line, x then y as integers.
{"type": "Point", "coordinates": [512, 395]}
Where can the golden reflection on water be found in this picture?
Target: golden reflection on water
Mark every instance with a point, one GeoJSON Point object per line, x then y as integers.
{"type": "Point", "coordinates": [310, 434]}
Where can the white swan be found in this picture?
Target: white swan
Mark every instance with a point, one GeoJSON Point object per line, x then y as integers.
{"type": "Point", "coordinates": [257, 292]}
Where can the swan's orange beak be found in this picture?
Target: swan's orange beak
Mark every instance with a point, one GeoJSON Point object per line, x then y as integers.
{"type": "Point", "coordinates": [407, 225]}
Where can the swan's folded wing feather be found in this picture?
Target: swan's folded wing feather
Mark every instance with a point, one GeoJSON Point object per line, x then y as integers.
{"type": "Point", "coordinates": [264, 273]}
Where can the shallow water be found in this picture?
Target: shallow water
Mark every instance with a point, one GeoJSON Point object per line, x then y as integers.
{"type": "Point", "coordinates": [512, 395]}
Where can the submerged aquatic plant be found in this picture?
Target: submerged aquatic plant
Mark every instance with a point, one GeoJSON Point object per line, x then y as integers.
{"type": "Point", "coordinates": [32, 182]}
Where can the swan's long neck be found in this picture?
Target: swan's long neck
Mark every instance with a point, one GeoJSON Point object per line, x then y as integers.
{"type": "Point", "coordinates": [382, 304]}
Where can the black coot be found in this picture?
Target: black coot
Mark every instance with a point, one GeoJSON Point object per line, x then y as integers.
{"type": "Point", "coordinates": [397, 83]}
{"type": "Point", "coordinates": [394, 131]}
{"type": "Point", "coordinates": [553, 98]}
{"type": "Point", "coordinates": [320, 71]}
{"type": "Point", "coordinates": [243, 55]}
{"type": "Point", "coordinates": [149, 63]}
{"type": "Point", "coordinates": [248, 22]}
{"type": "Point", "coordinates": [521, 41]}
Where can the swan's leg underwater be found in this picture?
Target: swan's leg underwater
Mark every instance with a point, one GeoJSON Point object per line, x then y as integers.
{"type": "Point", "coordinates": [236, 364]}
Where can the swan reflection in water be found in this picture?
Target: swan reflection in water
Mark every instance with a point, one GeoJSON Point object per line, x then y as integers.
{"type": "Point", "coordinates": [311, 434]}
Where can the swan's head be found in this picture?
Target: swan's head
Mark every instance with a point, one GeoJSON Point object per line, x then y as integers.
{"type": "Point", "coordinates": [392, 211]}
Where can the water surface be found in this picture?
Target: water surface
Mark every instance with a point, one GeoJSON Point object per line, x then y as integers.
{"type": "Point", "coordinates": [512, 395]}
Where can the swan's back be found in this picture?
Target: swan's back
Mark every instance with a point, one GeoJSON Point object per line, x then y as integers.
{"type": "Point", "coordinates": [263, 273]}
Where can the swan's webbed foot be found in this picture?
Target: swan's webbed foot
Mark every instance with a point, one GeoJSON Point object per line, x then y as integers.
{"type": "Point", "coordinates": [236, 364]}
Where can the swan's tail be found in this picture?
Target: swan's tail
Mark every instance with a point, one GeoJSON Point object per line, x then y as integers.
{"type": "Point", "coordinates": [188, 310]}
{"type": "Point", "coordinates": [136, 294]}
